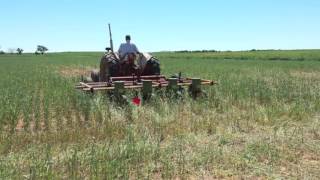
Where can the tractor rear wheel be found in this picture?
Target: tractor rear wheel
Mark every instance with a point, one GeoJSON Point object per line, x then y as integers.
{"type": "Point", "coordinates": [95, 75]}
{"type": "Point", "coordinates": [152, 68]}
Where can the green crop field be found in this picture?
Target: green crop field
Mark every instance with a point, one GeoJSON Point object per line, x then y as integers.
{"type": "Point", "coordinates": [261, 121]}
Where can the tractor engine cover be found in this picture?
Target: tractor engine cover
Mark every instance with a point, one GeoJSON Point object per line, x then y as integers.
{"type": "Point", "coordinates": [112, 66]}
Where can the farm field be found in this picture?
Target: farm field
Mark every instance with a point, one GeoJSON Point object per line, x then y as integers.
{"type": "Point", "coordinates": [261, 121]}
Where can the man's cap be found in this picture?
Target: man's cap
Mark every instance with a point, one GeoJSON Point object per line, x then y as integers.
{"type": "Point", "coordinates": [128, 37]}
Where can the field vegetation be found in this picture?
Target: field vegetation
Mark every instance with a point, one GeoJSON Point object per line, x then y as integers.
{"type": "Point", "coordinates": [261, 121]}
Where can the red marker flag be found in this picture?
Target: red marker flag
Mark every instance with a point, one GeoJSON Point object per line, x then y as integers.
{"type": "Point", "coordinates": [136, 101]}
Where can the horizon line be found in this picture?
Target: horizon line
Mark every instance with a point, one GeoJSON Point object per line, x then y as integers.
{"type": "Point", "coordinates": [184, 50]}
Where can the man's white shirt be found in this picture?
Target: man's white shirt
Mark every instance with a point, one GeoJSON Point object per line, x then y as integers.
{"type": "Point", "coordinates": [126, 48]}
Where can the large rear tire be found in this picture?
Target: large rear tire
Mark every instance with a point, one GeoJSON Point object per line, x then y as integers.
{"type": "Point", "coordinates": [152, 68]}
{"type": "Point", "coordinates": [109, 67]}
{"type": "Point", "coordinates": [95, 75]}
{"type": "Point", "coordinates": [104, 68]}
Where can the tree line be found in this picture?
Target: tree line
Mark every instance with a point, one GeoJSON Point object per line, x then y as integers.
{"type": "Point", "coordinates": [39, 50]}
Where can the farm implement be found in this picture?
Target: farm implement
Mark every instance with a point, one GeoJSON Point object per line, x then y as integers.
{"type": "Point", "coordinates": [145, 84]}
{"type": "Point", "coordinates": [139, 71]}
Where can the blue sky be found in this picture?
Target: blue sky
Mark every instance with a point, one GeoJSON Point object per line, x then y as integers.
{"type": "Point", "coordinates": [81, 25]}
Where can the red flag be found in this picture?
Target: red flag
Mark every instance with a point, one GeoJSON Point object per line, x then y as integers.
{"type": "Point", "coordinates": [136, 101]}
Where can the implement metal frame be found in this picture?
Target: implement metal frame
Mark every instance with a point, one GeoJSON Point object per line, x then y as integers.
{"type": "Point", "coordinates": [135, 82]}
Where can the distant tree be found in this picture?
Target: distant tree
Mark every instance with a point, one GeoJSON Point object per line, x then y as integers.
{"type": "Point", "coordinates": [1, 52]}
{"type": "Point", "coordinates": [36, 53]}
{"type": "Point", "coordinates": [19, 50]}
{"type": "Point", "coordinates": [42, 49]}
{"type": "Point", "coordinates": [182, 51]}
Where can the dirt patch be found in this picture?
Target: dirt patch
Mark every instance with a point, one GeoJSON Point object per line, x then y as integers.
{"type": "Point", "coordinates": [75, 71]}
{"type": "Point", "coordinates": [306, 75]}
{"type": "Point", "coordinates": [20, 125]}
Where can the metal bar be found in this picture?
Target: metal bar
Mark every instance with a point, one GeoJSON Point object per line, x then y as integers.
{"type": "Point", "coordinates": [130, 78]}
{"type": "Point", "coordinates": [173, 83]}
{"type": "Point", "coordinates": [119, 89]}
{"type": "Point", "coordinates": [195, 87]}
{"type": "Point", "coordinates": [154, 85]}
{"type": "Point", "coordinates": [103, 84]}
{"type": "Point", "coordinates": [86, 85]}
{"type": "Point", "coordinates": [146, 89]}
{"type": "Point", "coordinates": [110, 36]}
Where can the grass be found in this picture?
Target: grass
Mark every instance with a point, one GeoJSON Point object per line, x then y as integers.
{"type": "Point", "coordinates": [284, 55]}
{"type": "Point", "coordinates": [261, 121]}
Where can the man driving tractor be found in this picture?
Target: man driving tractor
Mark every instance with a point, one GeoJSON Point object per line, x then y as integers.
{"type": "Point", "coordinates": [128, 55]}
{"type": "Point", "coordinates": [127, 61]}
{"type": "Point", "coordinates": [127, 48]}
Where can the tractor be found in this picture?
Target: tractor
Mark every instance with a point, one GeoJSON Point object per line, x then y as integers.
{"type": "Point", "coordinates": [135, 71]}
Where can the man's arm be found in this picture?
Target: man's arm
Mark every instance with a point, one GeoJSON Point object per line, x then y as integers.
{"type": "Point", "coordinates": [120, 49]}
{"type": "Point", "coordinates": [136, 49]}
